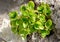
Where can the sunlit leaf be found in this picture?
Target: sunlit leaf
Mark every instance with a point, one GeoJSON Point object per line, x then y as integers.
{"type": "Point", "coordinates": [13, 14]}
{"type": "Point", "coordinates": [48, 24]}
{"type": "Point", "coordinates": [42, 18]}
{"type": "Point", "coordinates": [31, 5]}
{"type": "Point", "coordinates": [39, 25]}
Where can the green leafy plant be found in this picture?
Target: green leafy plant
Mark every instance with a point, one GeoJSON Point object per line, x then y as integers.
{"type": "Point", "coordinates": [31, 20]}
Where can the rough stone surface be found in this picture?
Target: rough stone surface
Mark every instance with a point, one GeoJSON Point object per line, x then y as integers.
{"type": "Point", "coordinates": [5, 7]}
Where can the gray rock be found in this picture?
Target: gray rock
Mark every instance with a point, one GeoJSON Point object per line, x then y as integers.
{"type": "Point", "coordinates": [2, 40]}
{"type": "Point", "coordinates": [57, 5]}
{"type": "Point", "coordinates": [5, 7]}
{"type": "Point", "coordinates": [54, 18]}
{"type": "Point", "coordinates": [58, 41]}
{"type": "Point", "coordinates": [58, 14]}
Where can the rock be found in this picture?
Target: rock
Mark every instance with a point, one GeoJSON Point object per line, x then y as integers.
{"type": "Point", "coordinates": [52, 38]}
{"type": "Point", "coordinates": [5, 7]}
{"type": "Point", "coordinates": [43, 40]}
{"type": "Point", "coordinates": [54, 18]}
{"type": "Point", "coordinates": [8, 35]}
{"type": "Point", "coordinates": [58, 14]}
{"type": "Point", "coordinates": [58, 41]}
{"type": "Point", "coordinates": [2, 40]}
{"type": "Point", "coordinates": [58, 33]}
{"type": "Point", "coordinates": [58, 23]}
{"type": "Point", "coordinates": [50, 2]}
{"type": "Point", "coordinates": [57, 5]}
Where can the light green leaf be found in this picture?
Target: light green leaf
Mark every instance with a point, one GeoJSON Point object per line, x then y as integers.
{"type": "Point", "coordinates": [14, 30]}
{"type": "Point", "coordinates": [48, 24]}
{"type": "Point", "coordinates": [44, 33]}
{"type": "Point", "coordinates": [13, 14]}
{"type": "Point", "coordinates": [42, 18]}
{"type": "Point", "coordinates": [25, 25]}
{"type": "Point", "coordinates": [40, 9]}
{"type": "Point", "coordinates": [39, 25]}
{"type": "Point", "coordinates": [22, 8]}
{"type": "Point", "coordinates": [31, 5]}
{"type": "Point", "coordinates": [47, 11]}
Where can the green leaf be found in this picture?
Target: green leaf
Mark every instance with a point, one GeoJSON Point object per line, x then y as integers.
{"type": "Point", "coordinates": [42, 18]}
{"type": "Point", "coordinates": [40, 9]}
{"type": "Point", "coordinates": [22, 8]}
{"type": "Point", "coordinates": [32, 17]}
{"type": "Point", "coordinates": [44, 33]}
{"type": "Point", "coordinates": [39, 25]}
{"type": "Point", "coordinates": [24, 34]}
{"type": "Point", "coordinates": [44, 9]}
{"type": "Point", "coordinates": [25, 13]}
{"type": "Point", "coordinates": [25, 19]}
{"type": "Point", "coordinates": [13, 23]}
{"type": "Point", "coordinates": [48, 24]}
{"type": "Point", "coordinates": [47, 11]}
{"type": "Point", "coordinates": [13, 14]}
{"type": "Point", "coordinates": [14, 30]}
{"type": "Point", "coordinates": [25, 25]}
{"type": "Point", "coordinates": [31, 5]}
